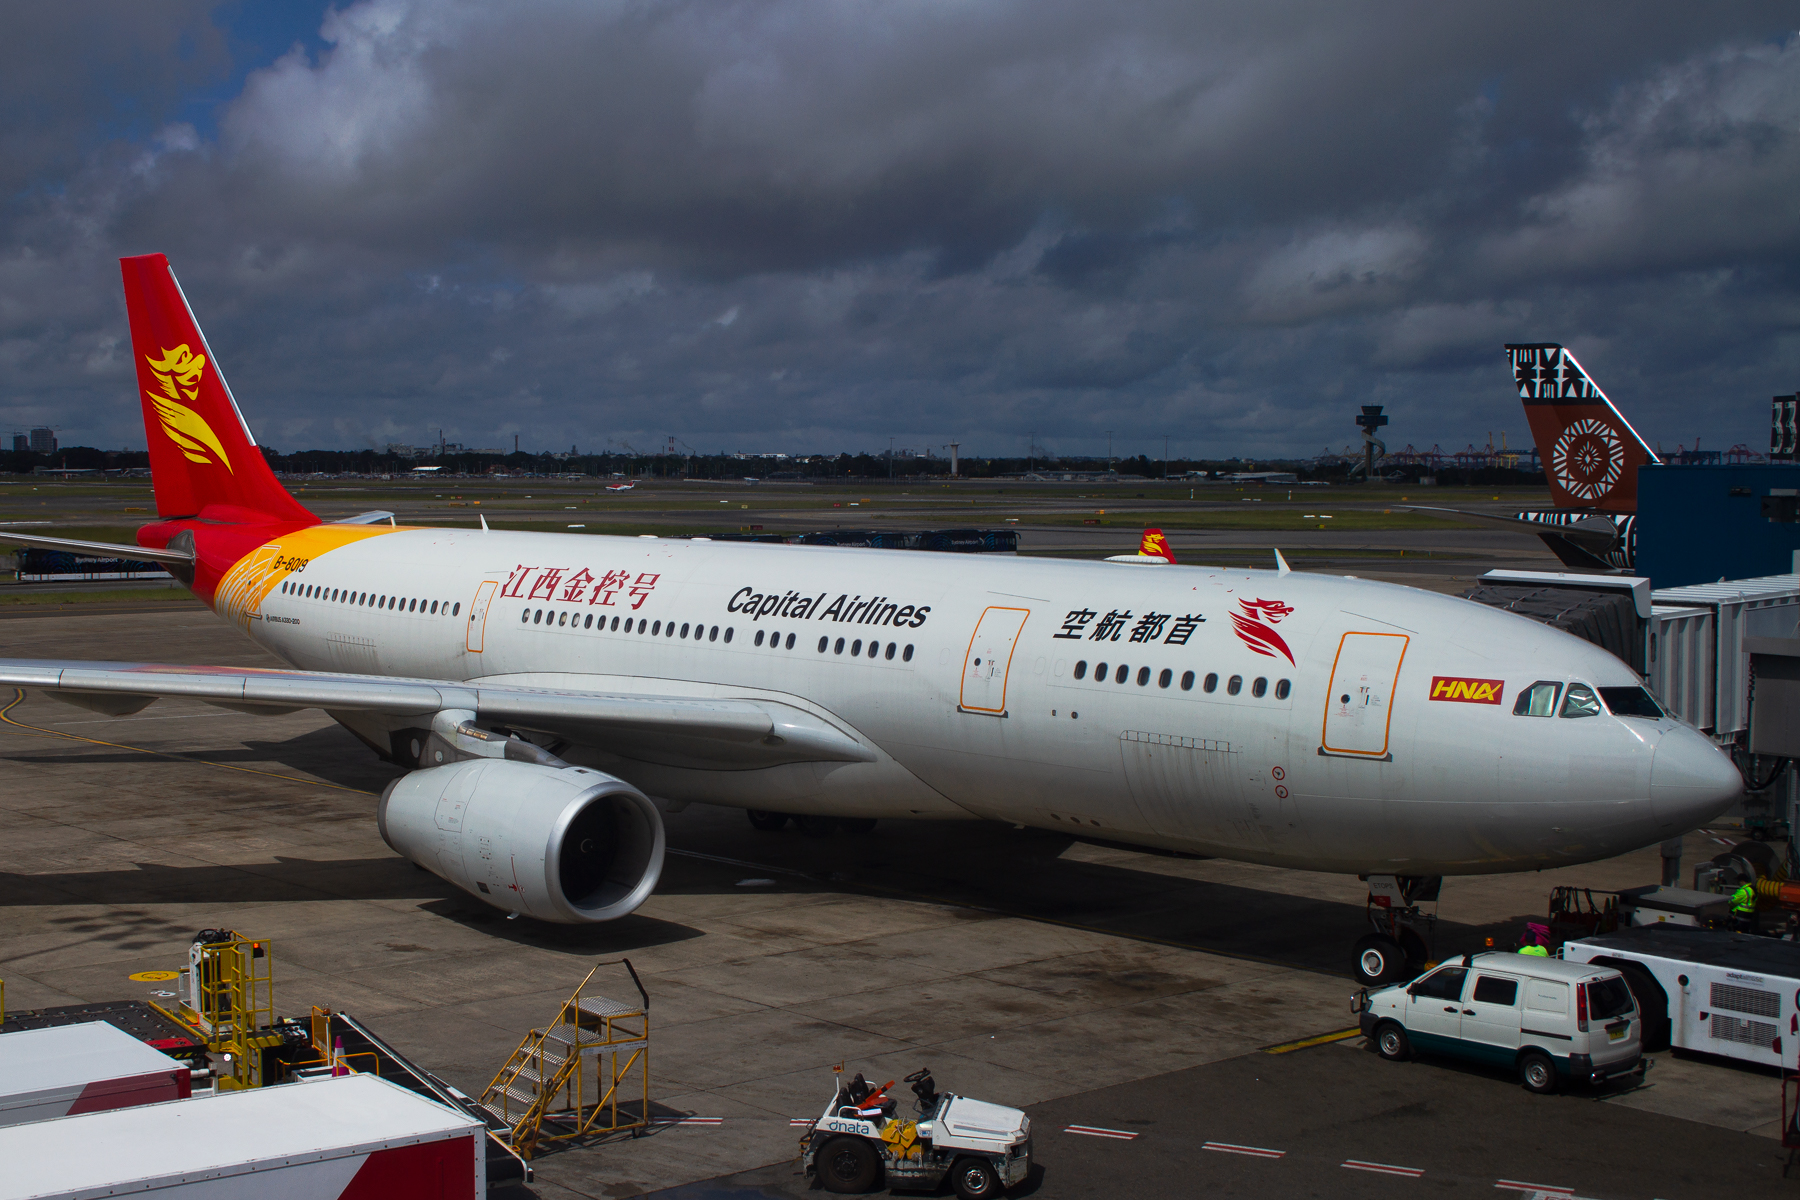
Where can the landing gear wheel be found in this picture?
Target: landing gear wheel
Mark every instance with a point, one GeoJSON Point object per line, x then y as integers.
{"type": "Point", "coordinates": [767, 822]}
{"type": "Point", "coordinates": [816, 826]}
{"type": "Point", "coordinates": [847, 1164]}
{"type": "Point", "coordinates": [1378, 962]}
{"type": "Point", "coordinates": [1392, 1043]}
{"type": "Point", "coordinates": [857, 824]}
{"type": "Point", "coordinates": [974, 1179]}
{"type": "Point", "coordinates": [1537, 1072]}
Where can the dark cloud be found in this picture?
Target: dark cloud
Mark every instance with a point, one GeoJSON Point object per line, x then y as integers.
{"type": "Point", "coordinates": [810, 226]}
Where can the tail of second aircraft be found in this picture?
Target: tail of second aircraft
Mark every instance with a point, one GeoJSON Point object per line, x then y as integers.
{"type": "Point", "coordinates": [203, 460]}
{"type": "Point", "coordinates": [1155, 545]}
{"type": "Point", "coordinates": [1590, 451]}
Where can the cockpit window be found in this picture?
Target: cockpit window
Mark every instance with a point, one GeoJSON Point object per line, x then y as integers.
{"type": "Point", "coordinates": [1631, 702]}
{"type": "Point", "coordinates": [1538, 700]}
{"type": "Point", "coordinates": [1581, 701]}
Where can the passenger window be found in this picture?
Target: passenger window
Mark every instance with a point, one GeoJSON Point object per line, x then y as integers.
{"type": "Point", "coordinates": [615, 625]}
{"type": "Point", "coordinates": [892, 649]}
{"type": "Point", "coordinates": [906, 655]}
{"type": "Point", "coordinates": [684, 629]}
{"type": "Point", "coordinates": [1538, 700]}
{"type": "Point", "coordinates": [1259, 687]}
{"type": "Point", "coordinates": [1081, 669]}
{"type": "Point", "coordinates": [1100, 673]}
{"type": "Point", "coordinates": [1187, 681]}
{"type": "Point", "coordinates": [564, 619]}
{"type": "Point", "coordinates": [856, 648]}
{"type": "Point", "coordinates": [456, 608]}
{"type": "Point", "coordinates": [759, 637]}
{"type": "Point", "coordinates": [1143, 676]}
{"type": "Point", "coordinates": [1446, 983]}
{"type": "Point", "coordinates": [656, 629]}
{"type": "Point", "coordinates": [712, 634]}
{"type": "Point", "coordinates": [874, 649]}
{"type": "Point", "coordinates": [839, 648]}
{"type": "Point", "coordinates": [1581, 701]}
{"type": "Point", "coordinates": [1492, 990]}
{"type": "Point", "coordinates": [728, 633]}
{"type": "Point", "coordinates": [524, 616]}
{"type": "Point", "coordinates": [1282, 689]}
{"type": "Point", "coordinates": [790, 641]}
{"type": "Point", "coordinates": [823, 643]}
{"type": "Point", "coordinates": [1122, 674]}
{"type": "Point", "coordinates": [1234, 685]}
{"type": "Point", "coordinates": [589, 623]}
{"type": "Point", "coordinates": [1211, 684]}
{"type": "Point", "coordinates": [1167, 677]}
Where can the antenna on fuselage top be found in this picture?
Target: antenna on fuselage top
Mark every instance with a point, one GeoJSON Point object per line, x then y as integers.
{"type": "Point", "coordinates": [1281, 566]}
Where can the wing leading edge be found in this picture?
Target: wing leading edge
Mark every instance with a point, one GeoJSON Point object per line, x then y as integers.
{"type": "Point", "coordinates": [729, 732]}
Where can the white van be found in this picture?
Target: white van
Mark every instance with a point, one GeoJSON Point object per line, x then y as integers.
{"type": "Point", "coordinates": [1547, 1019]}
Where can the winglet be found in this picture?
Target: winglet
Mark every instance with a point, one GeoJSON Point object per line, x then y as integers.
{"type": "Point", "coordinates": [482, 517]}
{"type": "Point", "coordinates": [1281, 566]}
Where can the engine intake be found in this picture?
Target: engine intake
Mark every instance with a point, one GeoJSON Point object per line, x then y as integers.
{"type": "Point", "coordinates": [572, 845]}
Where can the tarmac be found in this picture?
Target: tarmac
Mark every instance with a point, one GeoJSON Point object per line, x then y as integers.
{"type": "Point", "coordinates": [1090, 984]}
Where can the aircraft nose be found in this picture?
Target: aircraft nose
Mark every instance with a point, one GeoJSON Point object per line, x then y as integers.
{"type": "Point", "coordinates": [1691, 781]}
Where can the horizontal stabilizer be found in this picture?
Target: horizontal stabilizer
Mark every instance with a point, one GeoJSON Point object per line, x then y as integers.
{"type": "Point", "coordinates": [174, 554]}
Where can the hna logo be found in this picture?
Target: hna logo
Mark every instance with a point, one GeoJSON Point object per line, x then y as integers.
{"type": "Point", "coordinates": [1255, 626]}
{"type": "Point", "coordinates": [178, 373]}
{"type": "Point", "coordinates": [1467, 691]}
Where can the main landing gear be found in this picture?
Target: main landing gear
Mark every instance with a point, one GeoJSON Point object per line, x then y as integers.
{"type": "Point", "coordinates": [1402, 934]}
{"type": "Point", "coordinates": [773, 822]}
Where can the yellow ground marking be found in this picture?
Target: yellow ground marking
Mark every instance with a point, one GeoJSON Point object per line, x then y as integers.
{"type": "Point", "coordinates": [153, 976]}
{"type": "Point", "coordinates": [19, 696]}
{"type": "Point", "coordinates": [1341, 1035]}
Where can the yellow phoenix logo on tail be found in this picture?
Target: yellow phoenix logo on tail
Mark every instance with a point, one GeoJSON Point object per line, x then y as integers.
{"type": "Point", "coordinates": [178, 372]}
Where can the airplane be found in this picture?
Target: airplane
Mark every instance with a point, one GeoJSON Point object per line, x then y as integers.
{"type": "Point", "coordinates": [1591, 465]}
{"type": "Point", "coordinates": [550, 696]}
{"type": "Point", "coordinates": [620, 487]}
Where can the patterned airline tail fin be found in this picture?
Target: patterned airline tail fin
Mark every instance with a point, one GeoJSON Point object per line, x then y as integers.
{"type": "Point", "coordinates": [1156, 545]}
{"type": "Point", "coordinates": [203, 460]}
{"type": "Point", "coordinates": [1591, 453]}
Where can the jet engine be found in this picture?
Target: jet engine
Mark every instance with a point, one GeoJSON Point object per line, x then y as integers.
{"type": "Point", "coordinates": [560, 844]}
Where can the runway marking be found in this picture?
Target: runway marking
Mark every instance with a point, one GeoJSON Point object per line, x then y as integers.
{"type": "Point", "coordinates": [1382, 1168]}
{"type": "Point", "coordinates": [1252, 1151]}
{"type": "Point", "coordinates": [1124, 1135]}
{"type": "Point", "coordinates": [688, 1121]}
{"type": "Point", "coordinates": [19, 696]}
{"type": "Point", "coordinates": [1724, 841]}
{"type": "Point", "coordinates": [801, 1120]}
{"type": "Point", "coordinates": [1547, 1188]}
{"type": "Point", "coordinates": [1323, 1038]}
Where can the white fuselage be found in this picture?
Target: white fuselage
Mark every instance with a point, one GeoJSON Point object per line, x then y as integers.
{"type": "Point", "coordinates": [980, 697]}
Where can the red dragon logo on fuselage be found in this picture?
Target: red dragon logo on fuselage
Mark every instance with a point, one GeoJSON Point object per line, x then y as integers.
{"type": "Point", "coordinates": [1255, 626]}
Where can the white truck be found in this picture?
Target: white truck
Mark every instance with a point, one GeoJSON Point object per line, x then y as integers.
{"type": "Point", "coordinates": [1731, 994]}
{"type": "Point", "coordinates": [860, 1140]}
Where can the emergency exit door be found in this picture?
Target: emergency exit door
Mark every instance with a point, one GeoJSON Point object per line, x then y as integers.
{"type": "Point", "coordinates": [478, 613]}
{"type": "Point", "coordinates": [1359, 709]}
{"type": "Point", "coordinates": [989, 659]}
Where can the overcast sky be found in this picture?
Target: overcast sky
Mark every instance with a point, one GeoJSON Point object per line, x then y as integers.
{"type": "Point", "coordinates": [811, 227]}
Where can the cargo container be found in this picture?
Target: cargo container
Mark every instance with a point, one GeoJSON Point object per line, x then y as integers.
{"type": "Point", "coordinates": [74, 1069]}
{"type": "Point", "coordinates": [355, 1137]}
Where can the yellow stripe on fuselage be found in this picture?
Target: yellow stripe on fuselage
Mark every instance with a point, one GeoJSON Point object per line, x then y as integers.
{"type": "Point", "coordinates": [240, 593]}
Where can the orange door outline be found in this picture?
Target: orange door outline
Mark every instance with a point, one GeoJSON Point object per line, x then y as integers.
{"type": "Point", "coordinates": [1393, 688]}
{"type": "Point", "coordinates": [1012, 644]}
{"type": "Point", "coordinates": [478, 615]}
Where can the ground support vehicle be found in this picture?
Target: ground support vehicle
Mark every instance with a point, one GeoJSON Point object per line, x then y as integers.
{"type": "Point", "coordinates": [1549, 1020]}
{"type": "Point", "coordinates": [1732, 994]}
{"type": "Point", "coordinates": [860, 1140]}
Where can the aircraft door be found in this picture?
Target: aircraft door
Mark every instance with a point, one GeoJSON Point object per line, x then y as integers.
{"type": "Point", "coordinates": [478, 611]}
{"type": "Point", "coordinates": [989, 660]}
{"type": "Point", "coordinates": [1359, 709]}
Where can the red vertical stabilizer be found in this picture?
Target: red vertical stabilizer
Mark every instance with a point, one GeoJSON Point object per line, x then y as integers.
{"type": "Point", "coordinates": [1591, 453]}
{"type": "Point", "coordinates": [203, 460]}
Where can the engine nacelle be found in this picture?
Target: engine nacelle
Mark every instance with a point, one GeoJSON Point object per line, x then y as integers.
{"type": "Point", "coordinates": [571, 845]}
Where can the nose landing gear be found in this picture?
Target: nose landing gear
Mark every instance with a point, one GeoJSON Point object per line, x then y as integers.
{"type": "Point", "coordinates": [1401, 934]}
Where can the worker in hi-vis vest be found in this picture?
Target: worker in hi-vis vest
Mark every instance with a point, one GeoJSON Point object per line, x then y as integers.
{"type": "Point", "coordinates": [1533, 941]}
{"type": "Point", "coordinates": [1743, 907]}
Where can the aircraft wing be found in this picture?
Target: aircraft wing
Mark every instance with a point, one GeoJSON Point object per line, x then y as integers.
{"type": "Point", "coordinates": [174, 554]}
{"type": "Point", "coordinates": [726, 733]}
{"type": "Point", "coordinates": [1596, 536]}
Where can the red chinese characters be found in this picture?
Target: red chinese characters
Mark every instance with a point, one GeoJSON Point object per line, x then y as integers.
{"type": "Point", "coordinates": [578, 586]}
